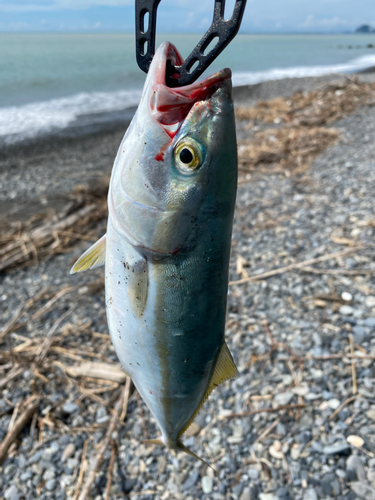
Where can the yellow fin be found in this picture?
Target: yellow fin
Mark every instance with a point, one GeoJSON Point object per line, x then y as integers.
{"type": "Point", "coordinates": [225, 369]}
{"type": "Point", "coordinates": [93, 257]}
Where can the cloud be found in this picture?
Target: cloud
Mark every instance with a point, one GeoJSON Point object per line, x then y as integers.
{"type": "Point", "coordinates": [54, 5]}
{"type": "Point", "coordinates": [334, 22]}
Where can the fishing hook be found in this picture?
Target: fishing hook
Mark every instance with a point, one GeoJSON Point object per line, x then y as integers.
{"type": "Point", "coordinates": [221, 31]}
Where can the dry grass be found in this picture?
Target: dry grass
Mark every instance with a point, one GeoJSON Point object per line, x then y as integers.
{"type": "Point", "coordinates": [44, 234]}
{"type": "Point", "coordinates": [317, 108]}
{"type": "Point", "coordinates": [301, 123]}
{"type": "Point", "coordinates": [290, 147]}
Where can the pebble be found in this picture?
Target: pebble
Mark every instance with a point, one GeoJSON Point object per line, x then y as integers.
{"type": "Point", "coordinates": [49, 474]}
{"type": "Point", "coordinates": [295, 452]}
{"type": "Point", "coordinates": [370, 301]}
{"type": "Point", "coordinates": [371, 414]}
{"type": "Point", "coordinates": [347, 296]}
{"type": "Point", "coordinates": [69, 408]}
{"type": "Point", "coordinates": [370, 322]}
{"type": "Point", "coordinates": [310, 494]}
{"type": "Point", "coordinates": [284, 398]}
{"type": "Point", "coordinates": [192, 430]}
{"type": "Point", "coordinates": [246, 494]}
{"type": "Point", "coordinates": [26, 475]}
{"type": "Point", "coordinates": [333, 403]}
{"type": "Point", "coordinates": [363, 490]}
{"type": "Point", "coordinates": [359, 334]}
{"type": "Point", "coordinates": [68, 452]}
{"type": "Point", "coordinates": [207, 484]}
{"type": "Point", "coordinates": [190, 481]}
{"type": "Point", "coordinates": [12, 493]}
{"type": "Point", "coordinates": [356, 441]}
{"type": "Point", "coordinates": [337, 448]}
{"type": "Point", "coordinates": [354, 464]}
{"type": "Point", "coordinates": [253, 473]}
{"type": "Point", "coordinates": [267, 496]}
{"type": "Point", "coordinates": [346, 310]}
{"type": "Point", "coordinates": [51, 485]}
{"type": "Point", "coordinates": [275, 450]}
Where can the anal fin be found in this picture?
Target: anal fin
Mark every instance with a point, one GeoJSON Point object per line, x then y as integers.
{"type": "Point", "coordinates": [93, 257]}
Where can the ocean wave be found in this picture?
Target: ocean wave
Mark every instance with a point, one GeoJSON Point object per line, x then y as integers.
{"type": "Point", "coordinates": [253, 77]}
{"type": "Point", "coordinates": [18, 123]}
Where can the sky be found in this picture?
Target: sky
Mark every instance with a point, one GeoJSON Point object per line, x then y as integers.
{"type": "Point", "coordinates": [269, 16]}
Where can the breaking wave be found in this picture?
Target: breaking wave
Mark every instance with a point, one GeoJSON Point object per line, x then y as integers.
{"type": "Point", "coordinates": [18, 123]}
{"type": "Point", "coordinates": [253, 77]}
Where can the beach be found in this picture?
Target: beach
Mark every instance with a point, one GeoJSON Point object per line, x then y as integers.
{"type": "Point", "coordinates": [299, 422]}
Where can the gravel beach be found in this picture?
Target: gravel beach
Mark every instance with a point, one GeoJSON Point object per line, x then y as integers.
{"type": "Point", "coordinates": [299, 422]}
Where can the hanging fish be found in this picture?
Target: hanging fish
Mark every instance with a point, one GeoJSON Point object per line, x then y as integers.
{"type": "Point", "coordinates": [166, 252]}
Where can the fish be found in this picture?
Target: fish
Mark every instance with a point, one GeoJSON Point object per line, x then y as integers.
{"type": "Point", "coordinates": [166, 251]}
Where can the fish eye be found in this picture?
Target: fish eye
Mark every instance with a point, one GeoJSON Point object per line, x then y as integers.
{"type": "Point", "coordinates": [188, 155]}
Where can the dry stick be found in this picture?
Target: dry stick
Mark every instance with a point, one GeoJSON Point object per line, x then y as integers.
{"type": "Point", "coordinates": [82, 468]}
{"type": "Point", "coordinates": [17, 428]}
{"type": "Point", "coordinates": [41, 353]}
{"type": "Point", "coordinates": [268, 430]}
{"type": "Point", "coordinates": [297, 265]}
{"type": "Point", "coordinates": [47, 307]}
{"type": "Point", "coordinates": [349, 400]}
{"type": "Point", "coordinates": [110, 472]}
{"type": "Point", "coordinates": [328, 357]}
{"type": "Point", "coordinates": [14, 373]}
{"type": "Point", "coordinates": [264, 410]}
{"type": "Point", "coordinates": [340, 272]}
{"type": "Point", "coordinates": [96, 463]}
{"type": "Point", "coordinates": [354, 372]}
{"type": "Point", "coordinates": [9, 326]}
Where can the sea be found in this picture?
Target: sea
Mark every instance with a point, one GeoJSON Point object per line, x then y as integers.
{"type": "Point", "coordinates": [50, 83]}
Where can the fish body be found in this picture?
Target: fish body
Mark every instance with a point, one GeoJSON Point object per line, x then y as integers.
{"type": "Point", "coordinates": [171, 203]}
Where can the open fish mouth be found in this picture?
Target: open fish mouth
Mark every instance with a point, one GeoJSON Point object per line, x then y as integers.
{"type": "Point", "coordinates": [170, 106]}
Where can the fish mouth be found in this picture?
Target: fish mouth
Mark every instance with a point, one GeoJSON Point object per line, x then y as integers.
{"type": "Point", "coordinates": [170, 106]}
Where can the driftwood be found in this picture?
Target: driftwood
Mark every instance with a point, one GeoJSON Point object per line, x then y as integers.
{"type": "Point", "coordinates": [103, 371]}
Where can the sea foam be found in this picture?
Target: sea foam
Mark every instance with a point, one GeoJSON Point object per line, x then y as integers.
{"type": "Point", "coordinates": [18, 123]}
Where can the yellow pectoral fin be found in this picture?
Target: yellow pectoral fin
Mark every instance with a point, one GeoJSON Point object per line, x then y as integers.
{"type": "Point", "coordinates": [93, 257]}
{"type": "Point", "coordinates": [225, 369]}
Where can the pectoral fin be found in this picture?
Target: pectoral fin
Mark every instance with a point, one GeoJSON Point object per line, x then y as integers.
{"type": "Point", "coordinates": [93, 257]}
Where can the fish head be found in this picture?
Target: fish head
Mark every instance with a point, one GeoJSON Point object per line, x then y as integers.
{"type": "Point", "coordinates": [177, 164]}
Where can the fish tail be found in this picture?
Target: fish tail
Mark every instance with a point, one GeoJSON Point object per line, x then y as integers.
{"type": "Point", "coordinates": [178, 446]}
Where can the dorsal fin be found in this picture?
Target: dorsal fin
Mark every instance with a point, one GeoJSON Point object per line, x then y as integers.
{"type": "Point", "coordinates": [93, 257]}
{"type": "Point", "coordinates": [225, 369]}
